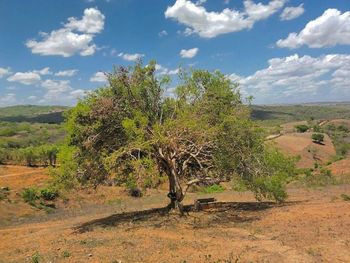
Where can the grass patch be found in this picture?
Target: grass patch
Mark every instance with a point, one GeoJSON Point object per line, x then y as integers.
{"type": "Point", "coordinates": [345, 197]}
{"type": "Point", "coordinates": [215, 188]}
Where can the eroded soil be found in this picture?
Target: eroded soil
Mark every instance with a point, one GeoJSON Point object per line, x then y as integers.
{"type": "Point", "coordinates": [313, 226]}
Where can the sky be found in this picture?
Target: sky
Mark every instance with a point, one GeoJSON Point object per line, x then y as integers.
{"type": "Point", "coordinates": [52, 52]}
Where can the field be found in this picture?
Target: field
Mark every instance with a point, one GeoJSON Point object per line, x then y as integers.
{"type": "Point", "coordinates": [106, 224]}
{"type": "Point", "coordinates": [312, 226]}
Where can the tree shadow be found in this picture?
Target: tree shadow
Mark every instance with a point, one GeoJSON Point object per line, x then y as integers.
{"type": "Point", "coordinates": [220, 212]}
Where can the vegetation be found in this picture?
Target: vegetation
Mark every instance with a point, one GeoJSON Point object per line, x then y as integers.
{"type": "Point", "coordinates": [279, 114]}
{"type": "Point", "coordinates": [317, 137]}
{"type": "Point", "coordinates": [29, 144]}
{"type": "Point", "coordinates": [130, 133]}
{"type": "Point", "coordinates": [302, 128]}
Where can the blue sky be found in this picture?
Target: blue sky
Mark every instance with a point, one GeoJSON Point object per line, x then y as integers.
{"type": "Point", "coordinates": [280, 51]}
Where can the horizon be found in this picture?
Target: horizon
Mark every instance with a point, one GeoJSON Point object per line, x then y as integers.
{"type": "Point", "coordinates": [281, 52]}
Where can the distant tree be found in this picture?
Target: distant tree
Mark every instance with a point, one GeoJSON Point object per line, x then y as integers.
{"type": "Point", "coordinates": [131, 132]}
{"type": "Point", "coordinates": [317, 137]}
{"type": "Point", "coordinates": [302, 128]}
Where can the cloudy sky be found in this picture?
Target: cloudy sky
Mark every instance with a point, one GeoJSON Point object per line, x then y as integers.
{"type": "Point", "coordinates": [280, 51]}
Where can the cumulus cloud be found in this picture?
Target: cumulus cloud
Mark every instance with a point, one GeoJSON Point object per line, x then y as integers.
{"type": "Point", "coordinates": [297, 78]}
{"type": "Point", "coordinates": [67, 73]}
{"type": "Point", "coordinates": [4, 72]}
{"type": "Point", "coordinates": [292, 12]}
{"type": "Point", "coordinates": [26, 78]}
{"type": "Point", "coordinates": [98, 77]}
{"type": "Point", "coordinates": [76, 36]}
{"type": "Point", "coordinates": [330, 29]}
{"type": "Point", "coordinates": [189, 53]}
{"type": "Point", "coordinates": [211, 24]}
{"type": "Point", "coordinates": [161, 70]}
{"type": "Point", "coordinates": [131, 57]}
{"type": "Point", "coordinates": [60, 92]}
{"type": "Point", "coordinates": [44, 71]}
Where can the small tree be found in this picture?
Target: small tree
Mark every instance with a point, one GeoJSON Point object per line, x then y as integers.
{"type": "Point", "coordinates": [317, 137]}
{"type": "Point", "coordinates": [302, 128]}
{"type": "Point", "coordinates": [131, 132]}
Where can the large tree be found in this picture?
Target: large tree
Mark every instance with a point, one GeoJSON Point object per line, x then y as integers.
{"type": "Point", "coordinates": [130, 131]}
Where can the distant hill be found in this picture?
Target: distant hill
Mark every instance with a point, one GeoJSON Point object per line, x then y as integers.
{"type": "Point", "coordinates": [33, 113]}
{"type": "Point", "coordinates": [289, 113]}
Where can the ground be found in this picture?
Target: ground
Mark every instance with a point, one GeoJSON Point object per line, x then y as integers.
{"type": "Point", "coordinates": [301, 144]}
{"type": "Point", "coordinates": [313, 226]}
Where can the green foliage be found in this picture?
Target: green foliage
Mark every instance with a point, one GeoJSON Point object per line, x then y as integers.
{"type": "Point", "coordinates": [317, 137]}
{"type": "Point", "coordinates": [30, 195]}
{"type": "Point", "coordinates": [302, 128]}
{"type": "Point", "coordinates": [321, 179]}
{"type": "Point", "coordinates": [129, 132]}
{"type": "Point", "coordinates": [29, 144]}
{"type": "Point", "coordinates": [64, 176]}
{"type": "Point", "coordinates": [345, 197]}
{"type": "Point", "coordinates": [48, 194]}
{"type": "Point", "coordinates": [215, 188]}
{"type": "Point", "coordinates": [66, 254]}
{"type": "Point", "coordinates": [36, 257]}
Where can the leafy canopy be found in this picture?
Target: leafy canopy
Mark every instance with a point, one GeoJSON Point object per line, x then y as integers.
{"type": "Point", "coordinates": [130, 132]}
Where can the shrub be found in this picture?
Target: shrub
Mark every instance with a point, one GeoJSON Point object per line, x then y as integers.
{"type": "Point", "coordinates": [345, 197]}
{"type": "Point", "coordinates": [302, 128]}
{"type": "Point", "coordinates": [49, 194]}
{"type": "Point", "coordinates": [30, 195]}
{"type": "Point", "coordinates": [35, 257]}
{"type": "Point", "coordinates": [66, 254]}
{"type": "Point", "coordinates": [317, 137]}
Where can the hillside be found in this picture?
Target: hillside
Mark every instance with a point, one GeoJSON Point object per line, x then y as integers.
{"type": "Point", "coordinates": [279, 114]}
{"type": "Point", "coordinates": [32, 113]}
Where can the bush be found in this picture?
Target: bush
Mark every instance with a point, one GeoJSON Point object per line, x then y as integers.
{"type": "Point", "coordinates": [48, 194]}
{"type": "Point", "coordinates": [215, 188]}
{"type": "Point", "coordinates": [302, 128]}
{"type": "Point", "coordinates": [30, 195]}
{"type": "Point", "coordinates": [317, 137]}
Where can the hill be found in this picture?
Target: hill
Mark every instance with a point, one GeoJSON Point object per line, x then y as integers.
{"type": "Point", "coordinates": [32, 113]}
{"type": "Point", "coordinates": [278, 114]}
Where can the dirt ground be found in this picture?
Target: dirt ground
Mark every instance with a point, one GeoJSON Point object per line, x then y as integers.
{"type": "Point", "coordinates": [301, 144]}
{"type": "Point", "coordinates": [313, 226]}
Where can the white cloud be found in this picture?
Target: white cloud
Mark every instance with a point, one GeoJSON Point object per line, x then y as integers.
{"type": "Point", "coordinates": [79, 93]}
{"type": "Point", "coordinates": [211, 24]}
{"type": "Point", "coordinates": [67, 73]}
{"type": "Point", "coordinates": [292, 12]}
{"type": "Point", "coordinates": [163, 33]}
{"type": "Point", "coordinates": [4, 72]}
{"type": "Point", "coordinates": [32, 97]}
{"type": "Point", "coordinates": [76, 37]}
{"type": "Point", "coordinates": [299, 78]}
{"type": "Point", "coordinates": [60, 92]}
{"type": "Point", "coordinates": [161, 70]}
{"type": "Point", "coordinates": [131, 57]}
{"type": "Point", "coordinates": [260, 11]}
{"type": "Point", "coordinates": [98, 77]}
{"type": "Point", "coordinates": [91, 23]}
{"type": "Point", "coordinates": [330, 29]}
{"type": "Point", "coordinates": [26, 78]}
{"type": "Point", "coordinates": [44, 71]}
{"type": "Point", "coordinates": [189, 53]}
{"type": "Point", "coordinates": [8, 99]}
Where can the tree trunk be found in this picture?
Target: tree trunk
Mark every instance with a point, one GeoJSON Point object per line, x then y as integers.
{"type": "Point", "coordinates": [175, 192]}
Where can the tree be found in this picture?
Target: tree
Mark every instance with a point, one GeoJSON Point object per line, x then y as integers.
{"type": "Point", "coordinates": [130, 131]}
{"type": "Point", "coordinates": [302, 128]}
{"type": "Point", "coordinates": [317, 137]}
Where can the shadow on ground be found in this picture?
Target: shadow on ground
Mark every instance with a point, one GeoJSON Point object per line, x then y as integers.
{"type": "Point", "coordinates": [217, 213]}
